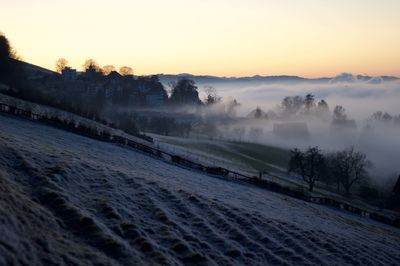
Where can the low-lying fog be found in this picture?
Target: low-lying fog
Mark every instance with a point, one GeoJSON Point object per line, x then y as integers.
{"type": "Point", "coordinates": [380, 141]}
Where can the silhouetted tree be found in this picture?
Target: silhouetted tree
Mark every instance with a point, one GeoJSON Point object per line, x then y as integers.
{"type": "Point", "coordinates": [91, 64]}
{"type": "Point", "coordinates": [258, 112]}
{"type": "Point", "coordinates": [7, 61]}
{"type": "Point", "coordinates": [185, 92]}
{"type": "Point", "coordinates": [211, 96]}
{"type": "Point", "coordinates": [382, 117]}
{"type": "Point", "coordinates": [92, 70]}
{"type": "Point", "coordinates": [108, 69]}
{"type": "Point", "coordinates": [309, 102]}
{"type": "Point", "coordinates": [126, 71]}
{"type": "Point", "coordinates": [310, 165]}
{"type": "Point", "coordinates": [322, 110]}
{"type": "Point", "coordinates": [61, 64]}
{"type": "Point", "coordinates": [291, 105]}
{"type": "Point", "coordinates": [323, 106]}
{"type": "Point", "coordinates": [339, 113]}
{"type": "Point", "coordinates": [348, 167]}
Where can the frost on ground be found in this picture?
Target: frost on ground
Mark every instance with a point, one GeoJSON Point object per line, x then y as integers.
{"type": "Point", "coordinates": [67, 199]}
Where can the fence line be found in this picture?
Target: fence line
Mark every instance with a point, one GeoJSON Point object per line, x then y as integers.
{"type": "Point", "coordinates": [91, 132]}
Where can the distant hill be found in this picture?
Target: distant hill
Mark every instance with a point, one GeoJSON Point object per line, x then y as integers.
{"type": "Point", "coordinates": [215, 79]}
{"type": "Point", "coordinates": [345, 77]}
{"type": "Point", "coordinates": [35, 71]}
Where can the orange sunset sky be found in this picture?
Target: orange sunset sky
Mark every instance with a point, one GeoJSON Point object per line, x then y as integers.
{"type": "Point", "coordinates": [310, 38]}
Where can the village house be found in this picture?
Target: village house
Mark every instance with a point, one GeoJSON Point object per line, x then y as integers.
{"type": "Point", "coordinates": [68, 74]}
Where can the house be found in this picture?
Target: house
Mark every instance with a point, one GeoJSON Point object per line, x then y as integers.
{"type": "Point", "coordinates": [114, 77]}
{"type": "Point", "coordinates": [69, 74]}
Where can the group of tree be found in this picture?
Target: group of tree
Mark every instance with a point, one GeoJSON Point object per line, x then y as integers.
{"type": "Point", "coordinates": [92, 65]}
{"type": "Point", "coordinates": [298, 106]}
{"type": "Point", "coordinates": [345, 168]}
{"type": "Point", "coordinates": [308, 105]}
{"type": "Point", "coordinates": [90, 101]}
{"type": "Point", "coordinates": [184, 92]}
{"type": "Point", "coordinates": [383, 118]}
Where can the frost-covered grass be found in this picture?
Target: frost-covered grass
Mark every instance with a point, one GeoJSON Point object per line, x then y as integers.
{"type": "Point", "coordinates": [66, 117]}
{"type": "Point", "coordinates": [70, 200]}
{"type": "Point", "coordinates": [250, 158]}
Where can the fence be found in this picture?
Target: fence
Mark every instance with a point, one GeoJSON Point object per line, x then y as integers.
{"type": "Point", "coordinates": [91, 132]}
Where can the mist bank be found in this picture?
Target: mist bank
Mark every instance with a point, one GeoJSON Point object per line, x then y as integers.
{"type": "Point", "coordinates": [361, 98]}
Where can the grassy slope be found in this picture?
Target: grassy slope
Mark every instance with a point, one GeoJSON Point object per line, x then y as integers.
{"type": "Point", "coordinates": [257, 157]}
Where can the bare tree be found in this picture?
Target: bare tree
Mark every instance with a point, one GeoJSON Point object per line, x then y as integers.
{"type": "Point", "coordinates": [108, 69]}
{"type": "Point", "coordinates": [211, 96]}
{"type": "Point", "coordinates": [61, 64]}
{"type": "Point", "coordinates": [126, 71]}
{"type": "Point", "coordinates": [310, 165]}
{"type": "Point", "coordinates": [381, 117]}
{"type": "Point", "coordinates": [91, 64]}
{"type": "Point", "coordinates": [348, 167]}
{"type": "Point", "coordinates": [291, 105]}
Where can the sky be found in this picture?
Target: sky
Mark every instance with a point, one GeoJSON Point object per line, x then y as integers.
{"type": "Point", "coordinates": [310, 38]}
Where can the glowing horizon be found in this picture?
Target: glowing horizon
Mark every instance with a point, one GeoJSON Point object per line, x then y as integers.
{"type": "Point", "coordinates": [222, 37]}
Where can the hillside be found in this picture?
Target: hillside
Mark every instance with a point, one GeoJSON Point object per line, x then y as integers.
{"type": "Point", "coordinates": [67, 199]}
{"type": "Point", "coordinates": [244, 157]}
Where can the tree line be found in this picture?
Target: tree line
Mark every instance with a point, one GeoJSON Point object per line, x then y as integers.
{"type": "Point", "coordinates": [345, 168]}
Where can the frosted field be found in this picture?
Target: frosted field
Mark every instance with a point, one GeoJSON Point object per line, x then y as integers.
{"type": "Point", "coordinates": [67, 199]}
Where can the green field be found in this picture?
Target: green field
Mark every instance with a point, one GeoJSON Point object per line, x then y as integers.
{"type": "Point", "coordinates": [257, 157]}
